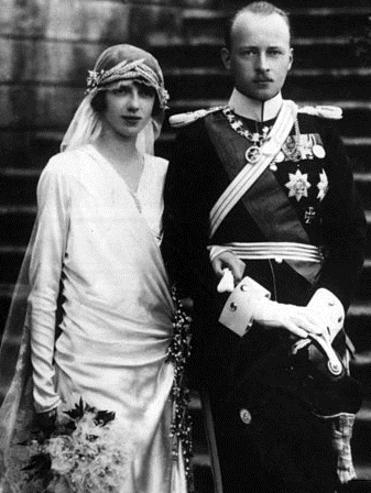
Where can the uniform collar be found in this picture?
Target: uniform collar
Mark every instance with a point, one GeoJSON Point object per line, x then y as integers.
{"type": "Point", "coordinates": [252, 108]}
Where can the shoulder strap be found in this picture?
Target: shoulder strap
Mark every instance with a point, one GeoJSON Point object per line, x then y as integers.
{"type": "Point", "coordinates": [184, 119]}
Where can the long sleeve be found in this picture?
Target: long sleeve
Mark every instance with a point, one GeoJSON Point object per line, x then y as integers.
{"type": "Point", "coordinates": [50, 236]}
{"type": "Point", "coordinates": [343, 226]}
{"type": "Point", "coordinates": [185, 222]}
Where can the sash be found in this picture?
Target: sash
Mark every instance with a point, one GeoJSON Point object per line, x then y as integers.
{"type": "Point", "coordinates": [266, 199]}
{"type": "Point", "coordinates": [246, 177]}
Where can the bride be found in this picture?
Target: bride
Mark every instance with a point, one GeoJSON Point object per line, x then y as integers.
{"type": "Point", "coordinates": [94, 258]}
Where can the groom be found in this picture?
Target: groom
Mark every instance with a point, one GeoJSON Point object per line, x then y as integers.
{"type": "Point", "coordinates": [260, 194]}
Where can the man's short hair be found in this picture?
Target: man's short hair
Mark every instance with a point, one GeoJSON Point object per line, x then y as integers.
{"type": "Point", "coordinates": [261, 8]}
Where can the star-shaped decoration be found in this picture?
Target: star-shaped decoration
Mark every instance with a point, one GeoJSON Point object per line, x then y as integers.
{"type": "Point", "coordinates": [322, 186]}
{"type": "Point", "coordinates": [298, 185]}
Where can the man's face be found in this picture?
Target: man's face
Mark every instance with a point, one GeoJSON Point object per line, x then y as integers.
{"type": "Point", "coordinates": [260, 55]}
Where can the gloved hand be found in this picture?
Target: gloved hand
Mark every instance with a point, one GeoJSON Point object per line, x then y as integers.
{"type": "Point", "coordinates": [250, 302]}
{"type": "Point", "coordinates": [299, 320]}
{"type": "Point", "coordinates": [49, 420]}
{"type": "Point", "coordinates": [46, 421]}
{"type": "Point", "coordinates": [228, 260]}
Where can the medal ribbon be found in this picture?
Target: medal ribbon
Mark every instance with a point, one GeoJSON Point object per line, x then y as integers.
{"type": "Point", "coordinates": [251, 172]}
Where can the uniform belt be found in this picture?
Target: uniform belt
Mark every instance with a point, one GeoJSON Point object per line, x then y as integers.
{"type": "Point", "coordinates": [276, 250]}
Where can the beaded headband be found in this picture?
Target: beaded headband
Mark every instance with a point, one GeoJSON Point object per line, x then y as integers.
{"type": "Point", "coordinates": [125, 70]}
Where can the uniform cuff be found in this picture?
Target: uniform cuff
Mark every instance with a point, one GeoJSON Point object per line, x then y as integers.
{"type": "Point", "coordinates": [330, 308]}
{"type": "Point", "coordinates": [237, 313]}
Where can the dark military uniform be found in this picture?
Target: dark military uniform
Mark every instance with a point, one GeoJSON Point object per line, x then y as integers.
{"type": "Point", "coordinates": [281, 446]}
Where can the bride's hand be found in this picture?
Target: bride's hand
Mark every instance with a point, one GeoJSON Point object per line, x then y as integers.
{"type": "Point", "coordinates": [46, 421]}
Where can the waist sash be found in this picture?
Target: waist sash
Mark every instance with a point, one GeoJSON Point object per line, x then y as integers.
{"type": "Point", "coordinates": [276, 250]}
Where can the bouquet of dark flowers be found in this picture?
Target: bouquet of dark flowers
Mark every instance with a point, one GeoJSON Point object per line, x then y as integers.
{"type": "Point", "coordinates": [83, 454]}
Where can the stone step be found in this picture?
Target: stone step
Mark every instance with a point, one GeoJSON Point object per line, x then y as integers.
{"type": "Point", "coordinates": [319, 21]}
{"type": "Point", "coordinates": [358, 325]}
{"type": "Point", "coordinates": [36, 147]}
{"type": "Point", "coordinates": [364, 287]}
{"type": "Point", "coordinates": [182, 83]}
{"type": "Point", "coordinates": [16, 224]}
{"type": "Point", "coordinates": [204, 51]}
{"type": "Point", "coordinates": [363, 185]}
{"type": "Point", "coordinates": [18, 185]}
{"type": "Point", "coordinates": [361, 369]}
{"type": "Point", "coordinates": [306, 84]}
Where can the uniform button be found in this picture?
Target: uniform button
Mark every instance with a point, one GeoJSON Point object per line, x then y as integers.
{"type": "Point", "coordinates": [245, 416]}
{"type": "Point", "coordinates": [233, 307]}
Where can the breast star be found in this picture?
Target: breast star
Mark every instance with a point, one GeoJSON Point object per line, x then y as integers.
{"type": "Point", "coordinates": [298, 185]}
{"type": "Point", "coordinates": [322, 186]}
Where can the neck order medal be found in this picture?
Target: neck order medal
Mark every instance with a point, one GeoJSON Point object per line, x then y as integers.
{"type": "Point", "coordinates": [253, 152]}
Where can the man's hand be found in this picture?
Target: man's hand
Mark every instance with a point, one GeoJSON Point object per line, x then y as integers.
{"type": "Point", "coordinates": [299, 320]}
{"type": "Point", "coordinates": [228, 259]}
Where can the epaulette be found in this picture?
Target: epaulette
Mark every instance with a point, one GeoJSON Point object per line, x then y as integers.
{"type": "Point", "coordinates": [333, 112]}
{"type": "Point", "coordinates": [183, 119]}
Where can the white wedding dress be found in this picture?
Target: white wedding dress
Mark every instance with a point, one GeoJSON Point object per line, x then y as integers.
{"type": "Point", "coordinates": [102, 242]}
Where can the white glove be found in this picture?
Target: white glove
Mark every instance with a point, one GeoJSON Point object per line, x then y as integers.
{"type": "Point", "coordinates": [299, 320]}
{"type": "Point", "coordinates": [249, 302]}
{"type": "Point", "coordinates": [221, 258]}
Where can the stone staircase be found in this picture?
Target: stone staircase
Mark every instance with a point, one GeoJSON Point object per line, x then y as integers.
{"type": "Point", "coordinates": [325, 71]}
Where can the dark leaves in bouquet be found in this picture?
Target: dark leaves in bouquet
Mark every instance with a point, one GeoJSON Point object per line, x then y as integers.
{"type": "Point", "coordinates": [101, 417]}
{"type": "Point", "coordinates": [39, 468]}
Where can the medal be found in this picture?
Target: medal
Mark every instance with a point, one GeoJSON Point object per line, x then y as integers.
{"type": "Point", "coordinates": [258, 140]}
{"type": "Point", "coordinates": [319, 151]}
{"type": "Point", "coordinates": [253, 154]}
{"type": "Point", "coordinates": [309, 215]}
{"type": "Point", "coordinates": [322, 186]}
{"type": "Point", "coordinates": [291, 149]}
{"type": "Point", "coordinates": [298, 185]}
{"type": "Point", "coordinates": [280, 157]}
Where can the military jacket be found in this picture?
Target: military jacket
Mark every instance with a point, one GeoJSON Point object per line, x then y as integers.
{"type": "Point", "coordinates": [318, 182]}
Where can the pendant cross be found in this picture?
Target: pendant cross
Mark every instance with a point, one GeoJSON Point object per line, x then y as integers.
{"type": "Point", "coordinates": [309, 215]}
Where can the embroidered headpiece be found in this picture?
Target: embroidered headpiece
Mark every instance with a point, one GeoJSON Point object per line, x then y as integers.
{"type": "Point", "coordinates": [137, 70]}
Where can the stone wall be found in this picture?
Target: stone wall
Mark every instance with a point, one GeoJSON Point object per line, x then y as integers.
{"type": "Point", "coordinates": [46, 48]}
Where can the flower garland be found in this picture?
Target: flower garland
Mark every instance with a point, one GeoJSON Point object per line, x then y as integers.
{"type": "Point", "coordinates": [83, 454]}
{"type": "Point", "coordinates": [178, 353]}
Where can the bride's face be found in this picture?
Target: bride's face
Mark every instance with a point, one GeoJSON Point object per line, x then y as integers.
{"type": "Point", "coordinates": [129, 108]}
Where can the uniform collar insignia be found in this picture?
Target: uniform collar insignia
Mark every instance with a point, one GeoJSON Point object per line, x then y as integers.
{"type": "Point", "coordinates": [254, 109]}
